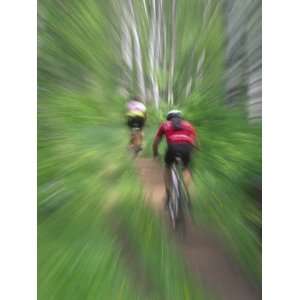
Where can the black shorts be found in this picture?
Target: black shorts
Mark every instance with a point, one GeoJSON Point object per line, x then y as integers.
{"type": "Point", "coordinates": [136, 122]}
{"type": "Point", "coordinates": [183, 151]}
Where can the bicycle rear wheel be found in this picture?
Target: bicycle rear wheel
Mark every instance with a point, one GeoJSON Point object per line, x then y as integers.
{"type": "Point", "coordinates": [175, 206]}
{"type": "Point", "coordinates": [173, 198]}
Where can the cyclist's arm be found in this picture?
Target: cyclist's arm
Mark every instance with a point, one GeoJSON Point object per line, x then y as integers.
{"type": "Point", "coordinates": [157, 140]}
{"type": "Point", "coordinates": [195, 138]}
{"type": "Point", "coordinates": [197, 144]}
{"type": "Point", "coordinates": [155, 146]}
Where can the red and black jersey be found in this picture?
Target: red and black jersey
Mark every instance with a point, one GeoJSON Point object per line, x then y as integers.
{"type": "Point", "coordinates": [186, 134]}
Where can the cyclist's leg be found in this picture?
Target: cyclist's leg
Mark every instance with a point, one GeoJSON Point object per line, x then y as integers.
{"type": "Point", "coordinates": [185, 154]}
{"type": "Point", "coordinates": [187, 176]}
{"type": "Point", "coordinates": [139, 123]}
{"type": "Point", "coordinates": [130, 125]}
{"type": "Point", "coordinates": [139, 140]}
{"type": "Point", "coordinates": [133, 124]}
{"type": "Point", "coordinates": [143, 120]}
{"type": "Point", "coordinates": [142, 135]}
{"type": "Point", "coordinates": [136, 137]}
{"type": "Point", "coordinates": [169, 159]}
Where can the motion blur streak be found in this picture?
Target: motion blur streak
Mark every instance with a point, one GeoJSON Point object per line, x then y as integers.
{"type": "Point", "coordinates": [97, 238]}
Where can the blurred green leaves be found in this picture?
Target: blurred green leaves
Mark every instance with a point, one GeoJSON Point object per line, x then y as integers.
{"type": "Point", "coordinates": [85, 175]}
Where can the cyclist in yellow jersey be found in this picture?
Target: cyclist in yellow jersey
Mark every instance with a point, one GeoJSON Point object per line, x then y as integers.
{"type": "Point", "coordinates": [136, 118]}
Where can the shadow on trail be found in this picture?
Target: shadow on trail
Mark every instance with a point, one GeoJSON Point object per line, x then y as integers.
{"type": "Point", "coordinates": [205, 254]}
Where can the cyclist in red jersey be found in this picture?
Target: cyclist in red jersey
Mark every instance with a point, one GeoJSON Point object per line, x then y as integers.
{"type": "Point", "coordinates": [181, 139]}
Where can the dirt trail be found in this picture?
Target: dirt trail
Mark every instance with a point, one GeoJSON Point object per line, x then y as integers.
{"type": "Point", "coordinates": [205, 255]}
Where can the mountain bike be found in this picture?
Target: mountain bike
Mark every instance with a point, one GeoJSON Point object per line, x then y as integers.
{"type": "Point", "coordinates": [136, 140]}
{"type": "Point", "coordinates": [178, 202]}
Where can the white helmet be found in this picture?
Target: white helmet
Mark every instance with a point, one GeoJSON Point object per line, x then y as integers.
{"type": "Point", "coordinates": [174, 113]}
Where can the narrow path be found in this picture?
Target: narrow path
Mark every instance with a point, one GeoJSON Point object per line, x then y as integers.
{"type": "Point", "coordinates": [205, 255]}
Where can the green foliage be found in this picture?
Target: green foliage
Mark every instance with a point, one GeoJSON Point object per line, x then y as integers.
{"type": "Point", "coordinates": [85, 176]}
